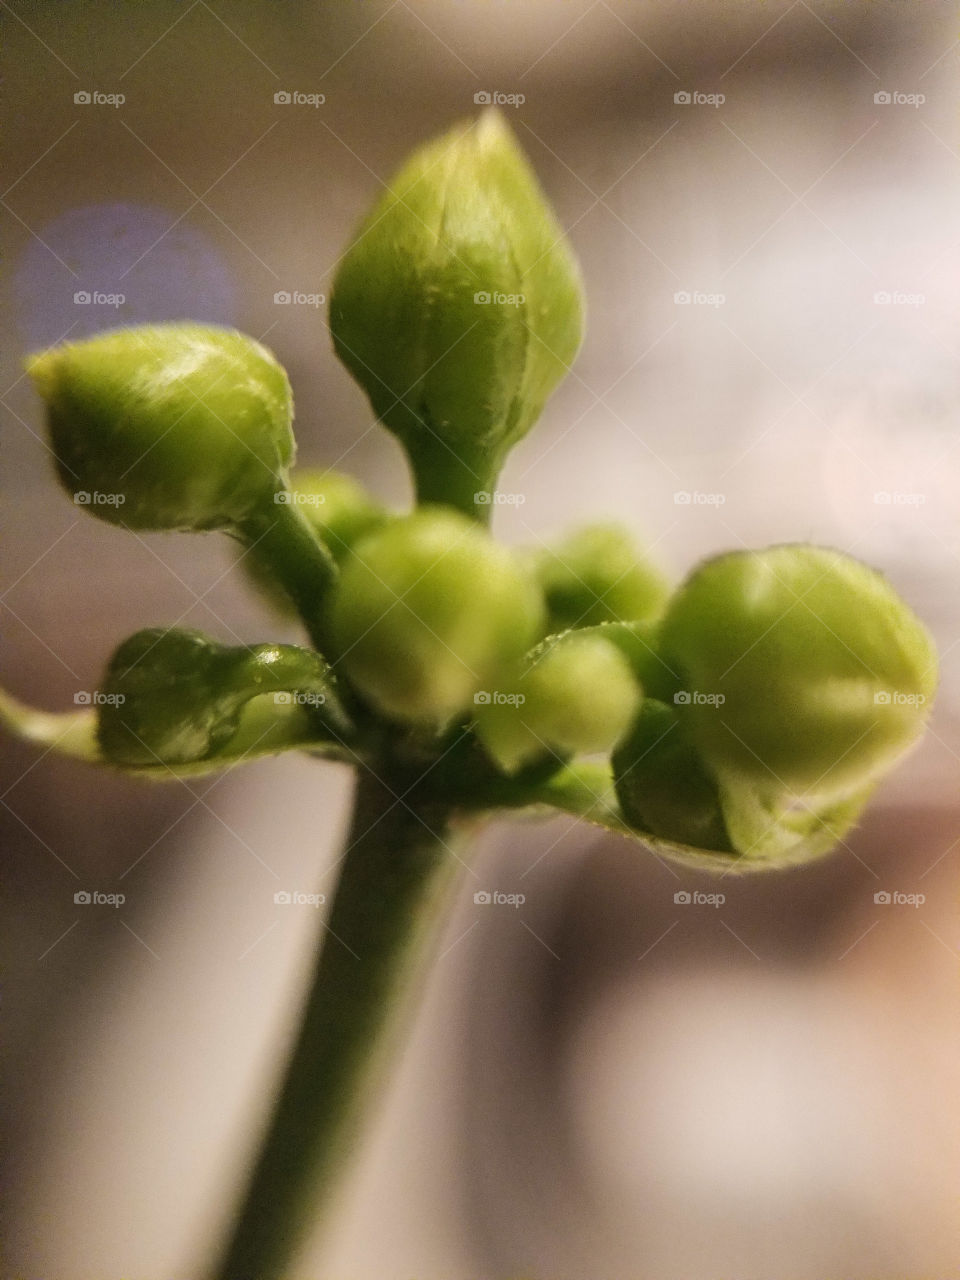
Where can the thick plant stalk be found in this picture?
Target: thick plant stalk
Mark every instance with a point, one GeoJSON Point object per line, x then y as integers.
{"type": "Point", "coordinates": [396, 864]}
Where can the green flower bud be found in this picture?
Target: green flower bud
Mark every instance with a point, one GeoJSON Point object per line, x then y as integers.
{"type": "Point", "coordinates": [576, 693]}
{"type": "Point", "coordinates": [458, 308]}
{"type": "Point", "coordinates": [337, 508]}
{"type": "Point", "coordinates": [174, 697]}
{"type": "Point", "coordinates": [598, 575]}
{"type": "Point", "coordinates": [662, 785]}
{"type": "Point", "coordinates": [174, 426]}
{"type": "Point", "coordinates": [803, 669]}
{"type": "Point", "coordinates": [429, 609]}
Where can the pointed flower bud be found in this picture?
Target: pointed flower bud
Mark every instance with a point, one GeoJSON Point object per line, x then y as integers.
{"type": "Point", "coordinates": [575, 693]}
{"type": "Point", "coordinates": [428, 610]}
{"type": "Point", "coordinates": [598, 575]}
{"type": "Point", "coordinates": [458, 308]}
{"type": "Point", "coordinates": [173, 697]}
{"type": "Point", "coordinates": [173, 426]}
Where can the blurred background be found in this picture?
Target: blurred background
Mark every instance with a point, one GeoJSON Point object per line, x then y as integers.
{"type": "Point", "coordinates": [603, 1081]}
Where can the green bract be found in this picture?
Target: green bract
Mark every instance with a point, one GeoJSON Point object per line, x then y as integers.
{"type": "Point", "coordinates": [663, 786]}
{"type": "Point", "coordinates": [597, 575]}
{"type": "Point", "coordinates": [174, 426]}
{"type": "Point", "coordinates": [174, 697]}
{"type": "Point", "coordinates": [458, 308]}
{"type": "Point", "coordinates": [427, 611]}
{"type": "Point", "coordinates": [576, 693]}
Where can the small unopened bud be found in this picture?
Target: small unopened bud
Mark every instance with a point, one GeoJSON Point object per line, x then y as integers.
{"type": "Point", "coordinates": [576, 693]}
{"type": "Point", "coordinates": [458, 308]}
{"type": "Point", "coordinates": [174, 426]}
{"type": "Point", "coordinates": [597, 575]}
{"type": "Point", "coordinates": [427, 610]}
{"type": "Point", "coordinates": [802, 668]}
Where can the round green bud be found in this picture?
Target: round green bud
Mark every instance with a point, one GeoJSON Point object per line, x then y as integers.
{"type": "Point", "coordinates": [802, 669]}
{"type": "Point", "coordinates": [599, 575]}
{"type": "Point", "coordinates": [576, 693]}
{"type": "Point", "coordinates": [428, 610]}
{"type": "Point", "coordinates": [172, 426]}
{"type": "Point", "coordinates": [458, 308]}
{"type": "Point", "coordinates": [662, 785]}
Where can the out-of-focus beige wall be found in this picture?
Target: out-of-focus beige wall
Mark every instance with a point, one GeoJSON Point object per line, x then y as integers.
{"type": "Point", "coordinates": [605, 1082]}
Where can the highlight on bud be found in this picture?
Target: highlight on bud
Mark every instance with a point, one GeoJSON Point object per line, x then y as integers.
{"type": "Point", "coordinates": [597, 575]}
{"type": "Point", "coordinates": [176, 696]}
{"type": "Point", "coordinates": [186, 425]}
{"type": "Point", "coordinates": [575, 693]}
{"type": "Point", "coordinates": [458, 308]}
{"type": "Point", "coordinates": [426, 611]}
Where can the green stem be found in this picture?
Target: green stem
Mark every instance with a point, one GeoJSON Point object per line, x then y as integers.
{"type": "Point", "coordinates": [396, 863]}
{"type": "Point", "coordinates": [443, 476]}
{"type": "Point", "coordinates": [284, 539]}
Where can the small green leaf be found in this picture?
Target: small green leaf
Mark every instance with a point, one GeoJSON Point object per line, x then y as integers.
{"type": "Point", "coordinates": [175, 697]}
{"type": "Point", "coordinates": [265, 728]}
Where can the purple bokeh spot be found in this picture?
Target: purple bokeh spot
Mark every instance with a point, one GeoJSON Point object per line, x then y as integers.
{"type": "Point", "coordinates": [119, 250]}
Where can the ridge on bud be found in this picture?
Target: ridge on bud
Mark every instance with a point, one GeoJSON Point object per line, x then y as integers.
{"type": "Point", "coordinates": [458, 308]}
